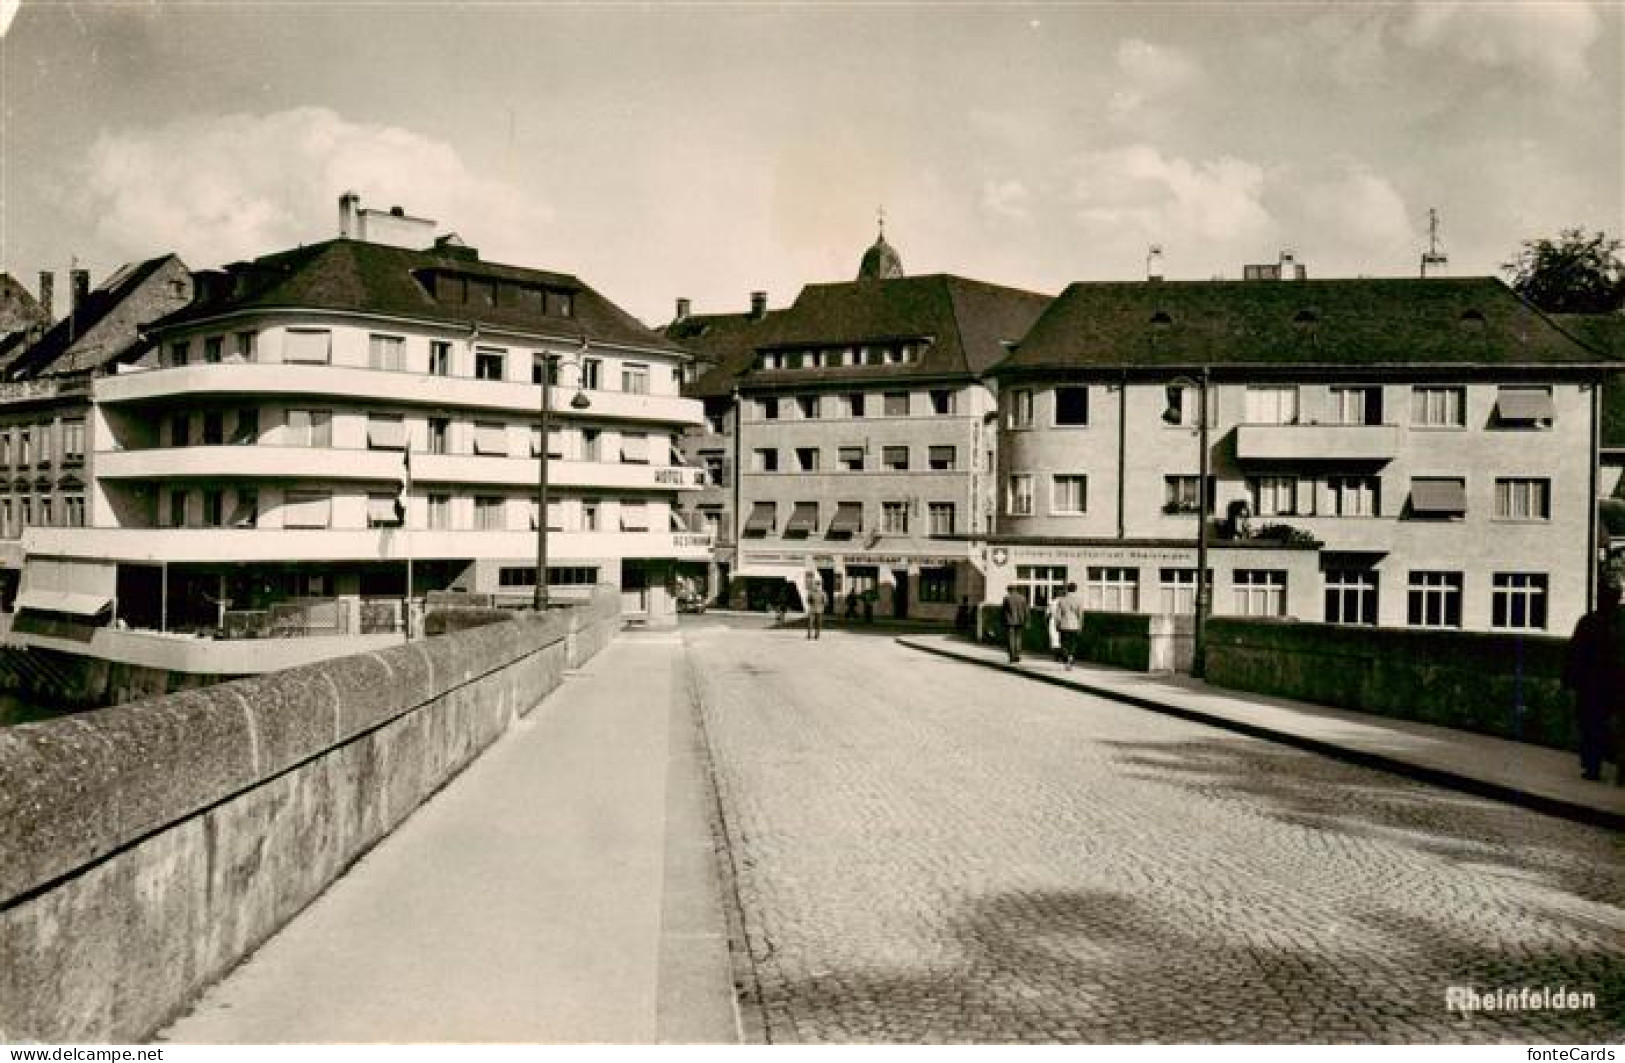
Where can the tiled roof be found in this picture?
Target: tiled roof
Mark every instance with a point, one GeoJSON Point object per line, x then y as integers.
{"type": "Point", "coordinates": [726, 340]}
{"type": "Point", "coordinates": [377, 278]}
{"type": "Point", "coordinates": [59, 339]}
{"type": "Point", "coordinates": [1604, 333]}
{"type": "Point", "coordinates": [1343, 323]}
{"type": "Point", "coordinates": [968, 323]}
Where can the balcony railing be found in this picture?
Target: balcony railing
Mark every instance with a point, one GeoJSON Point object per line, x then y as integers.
{"type": "Point", "coordinates": [1331, 442]}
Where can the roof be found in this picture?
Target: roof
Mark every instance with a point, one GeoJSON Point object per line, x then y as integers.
{"type": "Point", "coordinates": [53, 353]}
{"type": "Point", "coordinates": [358, 276]}
{"type": "Point", "coordinates": [1604, 333]}
{"type": "Point", "coordinates": [968, 322]}
{"type": "Point", "coordinates": [727, 340]}
{"type": "Point", "coordinates": [19, 310]}
{"type": "Point", "coordinates": [1357, 323]}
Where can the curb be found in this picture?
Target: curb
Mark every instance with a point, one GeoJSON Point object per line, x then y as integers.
{"type": "Point", "coordinates": [1552, 806]}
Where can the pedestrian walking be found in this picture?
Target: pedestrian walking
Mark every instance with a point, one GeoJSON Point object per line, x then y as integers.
{"type": "Point", "coordinates": [1068, 614]}
{"type": "Point", "coordinates": [869, 607]}
{"type": "Point", "coordinates": [1595, 671]}
{"type": "Point", "coordinates": [962, 618]}
{"type": "Point", "coordinates": [1015, 615]}
{"type": "Point", "coordinates": [852, 605]}
{"type": "Point", "coordinates": [1054, 632]}
{"type": "Point", "coordinates": [816, 601]}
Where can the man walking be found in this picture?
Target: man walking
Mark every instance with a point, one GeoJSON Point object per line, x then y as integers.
{"type": "Point", "coordinates": [1595, 671]}
{"type": "Point", "coordinates": [1069, 619]}
{"type": "Point", "coordinates": [1015, 622]}
{"type": "Point", "coordinates": [815, 608]}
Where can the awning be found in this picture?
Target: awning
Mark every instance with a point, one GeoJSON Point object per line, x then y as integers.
{"type": "Point", "coordinates": [490, 439]}
{"type": "Point", "coordinates": [762, 515]}
{"type": "Point", "coordinates": [71, 602]}
{"type": "Point", "coordinates": [381, 509]}
{"type": "Point", "coordinates": [386, 435]}
{"type": "Point", "coordinates": [1439, 498]}
{"type": "Point", "coordinates": [803, 519]}
{"type": "Point", "coordinates": [555, 441]}
{"type": "Point", "coordinates": [848, 519]}
{"type": "Point", "coordinates": [634, 447]}
{"type": "Point", "coordinates": [789, 571]}
{"type": "Point", "coordinates": [634, 516]}
{"type": "Point", "coordinates": [1524, 405]}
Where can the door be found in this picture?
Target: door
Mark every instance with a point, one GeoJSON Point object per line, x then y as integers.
{"type": "Point", "coordinates": [899, 596]}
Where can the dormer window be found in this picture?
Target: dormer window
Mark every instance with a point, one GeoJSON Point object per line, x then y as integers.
{"type": "Point", "coordinates": [1161, 320]}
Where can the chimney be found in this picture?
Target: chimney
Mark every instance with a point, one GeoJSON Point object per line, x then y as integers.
{"type": "Point", "coordinates": [683, 307]}
{"type": "Point", "coordinates": [349, 203]}
{"type": "Point", "coordinates": [47, 294]}
{"type": "Point", "coordinates": [758, 304]}
{"type": "Point", "coordinates": [1153, 263]}
{"type": "Point", "coordinates": [79, 280]}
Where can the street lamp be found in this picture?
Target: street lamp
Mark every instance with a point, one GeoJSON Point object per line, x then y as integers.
{"type": "Point", "coordinates": [550, 361]}
{"type": "Point", "coordinates": [1204, 590]}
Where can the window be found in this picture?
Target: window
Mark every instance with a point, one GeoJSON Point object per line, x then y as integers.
{"type": "Point", "coordinates": [490, 513]}
{"type": "Point", "coordinates": [214, 428]}
{"type": "Point", "coordinates": [767, 460]}
{"type": "Point", "coordinates": [386, 432]}
{"type": "Point", "coordinates": [211, 350]}
{"type": "Point", "coordinates": [307, 509]}
{"type": "Point", "coordinates": [177, 509]}
{"type": "Point", "coordinates": [490, 363]}
{"type": "Point", "coordinates": [73, 442]}
{"type": "Point", "coordinates": [1112, 589]}
{"type": "Point", "coordinates": [25, 510]}
{"type": "Point", "coordinates": [807, 459]}
{"type": "Point", "coordinates": [73, 511]}
{"type": "Point", "coordinates": [1524, 408]}
{"type": "Point", "coordinates": [245, 346]}
{"type": "Point", "coordinates": [1259, 592]}
{"type": "Point", "coordinates": [308, 345]}
{"type": "Point", "coordinates": [1356, 405]}
{"type": "Point", "coordinates": [768, 408]}
{"type": "Point", "coordinates": [1040, 583]}
{"type": "Point", "coordinates": [1273, 404]}
{"type": "Point", "coordinates": [1351, 596]}
{"type": "Point", "coordinates": [516, 576]}
{"type": "Point", "coordinates": [1438, 407]}
{"type": "Point", "coordinates": [937, 585]}
{"type": "Point", "coordinates": [715, 463]}
{"type": "Point", "coordinates": [634, 516]}
{"type": "Point", "coordinates": [942, 403]}
{"type": "Point", "coordinates": [895, 403]}
{"type": "Point", "coordinates": [941, 516]}
{"type": "Point", "coordinates": [807, 407]}
{"type": "Point", "coordinates": [591, 439]}
{"type": "Point", "coordinates": [1273, 496]}
{"type": "Point", "coordinates": [246, 428]}
{"type": "Point", "coordinates": [439, 512]}
{"type": "Point", "coordinates": [490, 439]}
{"type": "Point", "coordinates": [1351, 496]}
{"type": "Point", "coordinates": [246, 514]}
{"type": "Point", "coordinates": [386, 352]}
{"type": "Point", "coordinates": [439, 358]}
{"type": "Point", "coordinates": [711, 520]}
{"type": "Point", "coordinates": [439, 434]}
{"type": "Point", "coordinates": [850, 458]}
{"type": "Point", "coordinates": [1180, 494]}
{"type": "Point", "coordinates": [1523, 499]}
{"type": "Point", "coordinates": [894, 458]}
{"type": "Point", "coordinates": [25, 446]}
{"type": "Point", "coordinates": [214, 508]}
{"type": "Point", "coordinates": [1021, 409]}
{"type": "Point", "coordinates": [854, 404]}
{"type": "Point", "coordinates": [44, 455]}
{"type": "Point", "coordinates": [180, 433]}
{"type": "Point", "coordinates": [1176, 590]}
{"type": "Point", "coordinates": [1070, 494]}
{"type": "Point", "coordinates": [1182, 410]}
{"type": "Point", "coordinates": [1434, 599]}
{"type": "Point", "coordinates": [635, 447]}
{"type": "Point", "coordinates": [179, 353]}
{"type": "Point", "coordinates": [5, 446]}
{"type": "Point", "coordinates": [46, 515]}
{"type": "Point", "coordinates": [592, 374]}
{"type": "Point", "coordinates": [544, 365]}
{"type": "Point", "coordinates": [635, 379]}
{"type": "Point", "coordinates": [894, 518]}
{"type": "Point", "coordinates": [1019, 497]}
{"type": "Point", "coordinates": [1518, 601]}
{"type": "Point", "coordinates": [942, 459]}
{"type": "Point", "coordinates": [1438, 498]}
{"type": "Point", "coordinates": [1071, 406]}
{"type": "Point", "coordinates": [589, 515]}
{"type": "Point", "coordinates": [310, 428]}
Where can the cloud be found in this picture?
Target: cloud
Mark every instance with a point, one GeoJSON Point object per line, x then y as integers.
{"type": "Point", "coordinates": [1137, 187]}
{"type": "Point", "coordinates": [1355, 217]}
{"type": "Point", "coordinates": [1148, 73]}
{"type": "Point", "coordinates": [1007, 200]}
{"type": "Point", "coordinates": [1546, 40]}
{"type": "Point", "coordinates": [225, 187]}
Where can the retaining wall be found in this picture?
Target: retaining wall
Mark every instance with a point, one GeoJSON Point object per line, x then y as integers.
{"type": "Point", "coordinates": [145, 849]}
{"type": "Point", "coordinates": [1145, 642]}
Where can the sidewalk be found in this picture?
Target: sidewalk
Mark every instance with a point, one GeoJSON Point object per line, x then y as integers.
{"type": "Point", "coordinates": [1547, 780]}
{"type": "Point", "coordinates": [562, 889]}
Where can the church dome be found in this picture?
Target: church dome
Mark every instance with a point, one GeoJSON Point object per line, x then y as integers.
{"type": "Point", "coordinates": [881, 262]}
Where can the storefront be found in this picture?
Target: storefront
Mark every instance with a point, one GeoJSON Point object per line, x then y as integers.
{"type": "Point", "coordinates": [901, 585]}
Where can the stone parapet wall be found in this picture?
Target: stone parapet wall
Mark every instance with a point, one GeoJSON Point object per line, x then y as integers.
{"type": "Point", "coordinates": [149, 847]}
{"type": "Point", "coordinates": [1505, 685]}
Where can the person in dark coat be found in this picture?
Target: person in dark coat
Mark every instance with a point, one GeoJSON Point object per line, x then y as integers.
{"type": "Point", "coordinates": [1595, 671]}
{"type": "Point", "coordinates": [1015, 621]}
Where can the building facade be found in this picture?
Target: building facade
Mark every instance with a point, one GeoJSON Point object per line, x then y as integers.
{"type": "Point", "coordinates": [355, 423]}
{"type": "Point", "coordinates": [1407, 453]}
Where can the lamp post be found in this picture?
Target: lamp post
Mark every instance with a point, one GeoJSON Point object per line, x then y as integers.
{"type": "Point", "coordinates": [1204, 591]}
{"type": "Point", "coordinates": [550, 361]}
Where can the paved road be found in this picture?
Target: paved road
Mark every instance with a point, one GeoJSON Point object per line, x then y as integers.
{"type": "Point", "coordinates": [929, 851]}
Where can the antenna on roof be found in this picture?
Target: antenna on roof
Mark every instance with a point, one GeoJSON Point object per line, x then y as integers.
{"type": "Point", "coordinates": [1434, 255]}
{"type": "Point", "coordinates": [1153, 263]}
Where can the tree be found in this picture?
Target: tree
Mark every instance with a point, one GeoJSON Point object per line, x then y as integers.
{"type": "Point", "coordinates": [1574, 274]}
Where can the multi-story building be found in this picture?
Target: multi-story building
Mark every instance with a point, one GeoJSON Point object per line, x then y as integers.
{"type": "Point", "coordinates": [863, 434]}
{"type": "Point", "coordinates": [326, 423]}
{"type": "Point", "coordinates": [1395, 452]}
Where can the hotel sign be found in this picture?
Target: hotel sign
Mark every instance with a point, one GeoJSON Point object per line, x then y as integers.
{"type": "Point", "coordinates": [678, 477]}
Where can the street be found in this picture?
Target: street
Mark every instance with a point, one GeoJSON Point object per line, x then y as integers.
{"type": "Point", "coordinates": [927, 851]}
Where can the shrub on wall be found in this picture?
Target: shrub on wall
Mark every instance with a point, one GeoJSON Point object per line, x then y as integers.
{"type": "Point", "coordinates": [444, 621]}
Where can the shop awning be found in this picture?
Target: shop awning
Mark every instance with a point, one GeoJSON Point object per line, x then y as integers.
{"type": "Point", "coordinates": [386, 435]}
{"type": "Point", "coordinates": [1439, 498]}
{"type": "Point", "coordinates": [490, 439]}
{"type": "Point", "coordinates": [762, 515]}
{"type": "Point", "coordinates": [634, 447]}
{"type": "Point", "coordinates": [1524, 405]}
{"type": "Point", "coordinates": [848, 519]}
{"type": "Point", "coordinates": [803, 519]}
{"type": "Point", "coordinates": [70, 602]}
{"type": "Point", "coordinates": [381, 509]}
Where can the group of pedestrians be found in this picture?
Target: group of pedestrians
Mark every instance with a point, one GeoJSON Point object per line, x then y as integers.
{"type": "Point", "coordinates": [1065, 624]}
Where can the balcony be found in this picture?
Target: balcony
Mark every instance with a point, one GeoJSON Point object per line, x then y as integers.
{"type": "Point", "coordinates": [189, 385]}
{"type": "Point", "coordinates": [248, 545]}
{"type": "Point", "coordinates": [335, 465]}
{"type": "Point", "coordinates": [1317, 442]}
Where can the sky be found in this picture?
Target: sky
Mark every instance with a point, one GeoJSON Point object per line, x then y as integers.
{"type": "Point", "coordinates": [709, 150]}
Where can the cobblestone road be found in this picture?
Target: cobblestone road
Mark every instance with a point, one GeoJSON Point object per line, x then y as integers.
{"type": "Point", "coordinates": [926, 851]}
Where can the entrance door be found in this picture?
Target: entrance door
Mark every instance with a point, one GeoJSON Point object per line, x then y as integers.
{"type": "Point", "coordinates": [899, 597]}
